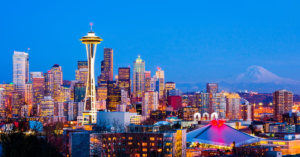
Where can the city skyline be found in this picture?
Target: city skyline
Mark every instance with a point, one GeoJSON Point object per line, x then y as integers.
{"type": "Point", "coordinates": [218, 40]}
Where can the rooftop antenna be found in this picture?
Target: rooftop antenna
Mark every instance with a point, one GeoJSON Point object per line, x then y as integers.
{"type": "Point", "coordinates": [28, 50]}
{"type": "Point", "coordinates": [91, 24]}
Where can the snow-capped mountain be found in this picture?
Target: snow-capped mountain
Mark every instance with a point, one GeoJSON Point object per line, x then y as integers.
{"type": "Point", "coordinates": [255, 78]}
{"type": "Point", "coordinates": [257, 74]}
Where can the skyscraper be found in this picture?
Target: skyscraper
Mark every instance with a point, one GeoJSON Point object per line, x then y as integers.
{"type": "Point", "coordinates": [233, 106]}
{"type": "Point", "coordinates": [82, 75]}
{"type": "Point", "coordinates": [47, 106]}
{"type": "Point", "coordinates": [138, 77]}
{"type": "Point", "coordinates": [2, 102]}
{"type": "Point", "coordinates": [16, 103]}
{"type": "Point", "coordinates": [28, 97]}
{"type": "Point", "coordinates": [49, 83]}
{"type": "Point", "coordinates": [57, 80]}
{"type": "Point", "coordinates": [20, 70]}
{"type": "Point", "coordinates": [217, 104]}
{"type": "Point", "coordinates": [153, 83]}
{"type": "Point", "coordinates": [202, 101]}
{"type": "Point", "coordinates": [91, 41]}
{"type": "Point", "coordinates": [147, 74]}
{"type": "Point", "coordinates": [38, 90]}
{"type": "Point", "coordinates": [124, 80]}
{"type": "Point", "coordinates": [160, 82]}
{"type": "Point", "coordinates": [107, 65]}
{"type": "Point", "coordinates": [57, 74]}
{"type": "Point", "coordinates": [168, 87]}
{"type": "Point", "coordinates": [79, 92]}
{"type": "Point", "coordinates": [150, 103]}
{"type": "Point", "coordinates": [283, 102]}
{"type": "Point", "coordinates": [113, 96]}
{"type": "Point", "coordinates": [82, 64]}
{"type": "Point", "coordinates": [212, 88]}
{"type": "Point", "coordinates": [101, 93]}
{"type": "Point", "coordinates": [148, 84]}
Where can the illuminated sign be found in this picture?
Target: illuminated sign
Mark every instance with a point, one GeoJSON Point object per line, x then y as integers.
{"type": "Point", "coordinates": [218, 122]}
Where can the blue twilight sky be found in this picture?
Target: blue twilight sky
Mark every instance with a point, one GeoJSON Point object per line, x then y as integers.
{"type": "Point", "coordinates": [192, 41]}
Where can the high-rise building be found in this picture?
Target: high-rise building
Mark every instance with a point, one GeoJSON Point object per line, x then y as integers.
{"type": "Point", "coordinates": [101, 77]}
{"type": "Point", "coordinates": [138, 77]}
{"type": "Point", "coordinates": [38, 90]}
{"type": "Point", "coordinates": [101, 93]}
{"type": "Point", "coordinates": [20, 70]}
{"type": "Point", "coordinates": [65, 93]}
{"type": "Point", "coordinates": [246, 110]}
{"type": "Point", "coordinates": [91, 41]}
{"type": "Point", "coordinates": [168, 87]}
{"type": "Point", "coordinates": [124, 80]}
{"type": "Point", "coordinates": [148, 84]}
{"type": "Point", "coordinates": [49, 83]}
{"type": "Point", "coordinates": [175, 102]}
{"type": "Point", "coordinates": [113, 96]}
{"type": "Point", "coordinates": [35, 74]}
{"type": "Point", "coordinates": [217, 103]}
{"type": "Point", "coordinates": [233, 107]}
{"type": "Point", "coordinates": [82, 64]}
{"type": "Point", "coordinates": [160, 82]}
{"type": "Point", "coordinates": [2, 102]}
{"type": "Point", "coordinates": [28, 97]}
{"type": "Point", "coordinates": [153, 83]}
{"type": "Point", "coordinates": [72, 85]}
{"type": "Point", "coordinates": [202, 102]}
{"type": "Point", "coordinates": [283, 102]}
{"type": "Point", "coordinates": [147, 74]}
{"type": "Point", "coordinates": [187, 113]}
{"type": "Point", "coordinates": [66, 82]}
{"type": "Point", "coordinates": [124, 97]}
{"type": "Point", "coordinates": [81, 75]}
{"type": "Point", "coordinates": [57, 80]}
{"type": "Point", "coordinates": [150, 103]}
{"type": "Point", "coordinates": [47, 106]}
{"type": "Point", "coordinates": [107, 65]}
{"type": "Point", "coordinates": [57, 74]}
{"type": "Point", "coordinates": [79, 92]}
{"type": "Point", "coordinates": [175, 92]}
{"type": "Point", "coordinates": [212, 88]}
{"type": "Point", "coordinates": [16, 103]}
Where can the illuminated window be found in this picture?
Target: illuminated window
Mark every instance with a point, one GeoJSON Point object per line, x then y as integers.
{"type": "Point", "coordinates": [168, 144]}
{"type": "Point", "coordinates": [159, 150]}
{"type": "Point", "coordinates": [144, 144]}
{"type": "Point", "coordinates": [109, 139]}
{"type": "Point", "coordinates": [144, 149]}
{"type": "Point", "coordinates": [152, 144]}
{"type": "Point", "coordinates": [152, 138]}
{"type": "Point", "coordinates": [144, 155]}
{"type": "Point", "coordinates": [129, 138]}
{"type": "Point", "coordinates": [129, 143]}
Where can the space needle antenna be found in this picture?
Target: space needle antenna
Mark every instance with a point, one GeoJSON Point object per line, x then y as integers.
{"type": "Point", "coordinates": [91, 24]}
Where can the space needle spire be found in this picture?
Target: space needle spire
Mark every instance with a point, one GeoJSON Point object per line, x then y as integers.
{"type": "Point", "coordinates": [90, 41]}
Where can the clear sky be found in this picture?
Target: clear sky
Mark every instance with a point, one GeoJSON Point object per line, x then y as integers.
{"type": "Point", "coordinates": [192, 41]}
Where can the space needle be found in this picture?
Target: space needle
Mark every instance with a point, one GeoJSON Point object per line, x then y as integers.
{"type": "Point", "coordinates": [90, 41]}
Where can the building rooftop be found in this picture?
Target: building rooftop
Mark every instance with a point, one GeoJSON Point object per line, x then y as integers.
{"type": "Point", "coordinates": [218, 133]}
